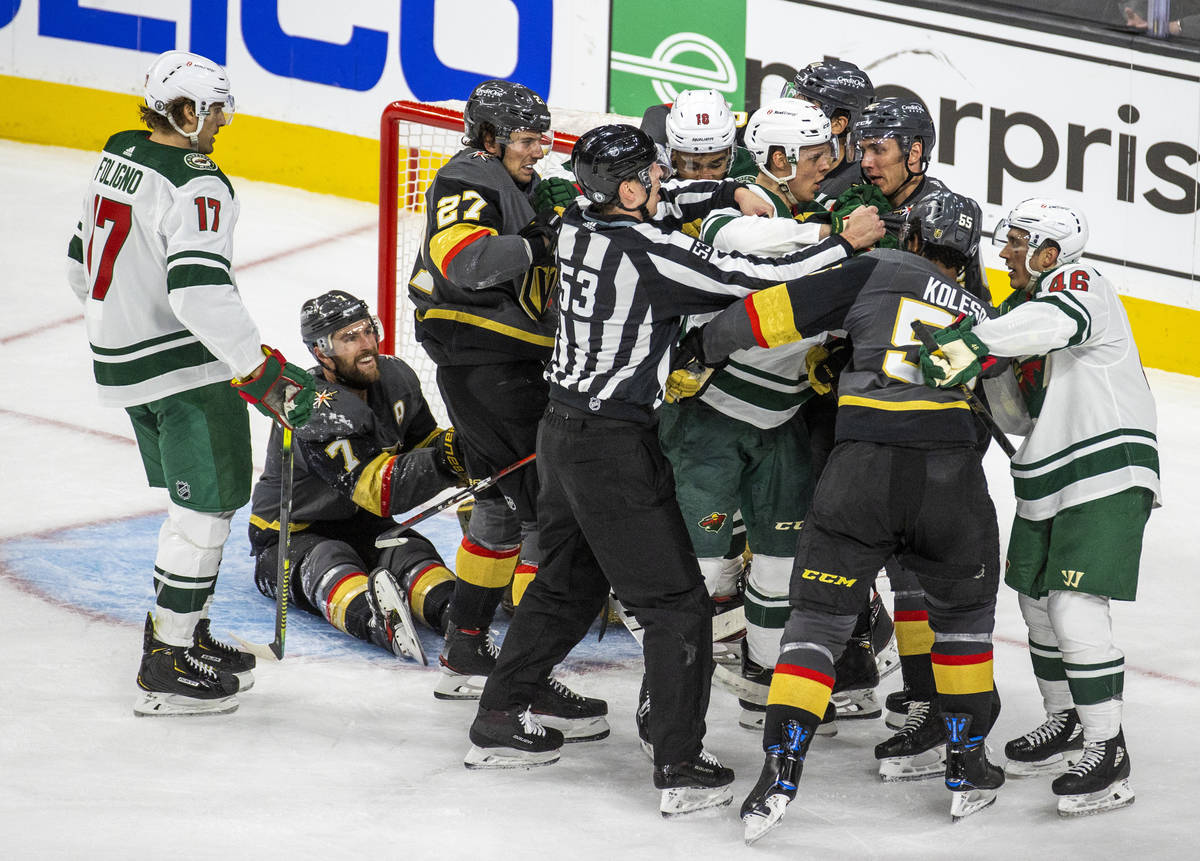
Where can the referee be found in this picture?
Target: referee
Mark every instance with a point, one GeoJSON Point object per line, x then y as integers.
{"type": "Point", "coordinates": [607, 509]}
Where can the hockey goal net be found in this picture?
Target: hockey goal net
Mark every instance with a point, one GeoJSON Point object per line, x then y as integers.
{"type": "Point", "coordinates": [415, 140]}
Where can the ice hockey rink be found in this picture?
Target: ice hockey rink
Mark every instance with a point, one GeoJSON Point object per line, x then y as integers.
{"type": "Point", "coordinates": [341, 750]}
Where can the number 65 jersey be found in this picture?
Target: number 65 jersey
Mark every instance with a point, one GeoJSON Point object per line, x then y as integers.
{"type": "Point", "coordinates": [150, 260]}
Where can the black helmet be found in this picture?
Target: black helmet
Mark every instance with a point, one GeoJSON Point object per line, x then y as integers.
{"type": "Point", "coordinates": [606, 156]}
{"type": "Point", "coordinates": [946, 219]}
{"type": "Point", "coordinates": [834, 85]}
{"type": "Point", "coordinates": [903, 119]}
{"type": "Point", "coordinates": [505, 106]}
{"type": "Point", "coordinates": [329, 312]}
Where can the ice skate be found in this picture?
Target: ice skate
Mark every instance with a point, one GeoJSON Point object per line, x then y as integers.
{"type": "Point", "coordinates": [969, 776]}
{"type": "Point", "coordinates": [861, 704]}
{"type": "Point", "coordinates": [776, 787]}
{"type": "Point", "coordinates": [918, 750]}
{"type": "Point", "coordinates": [577, 717]}
{"type": "Point", "coordinates": [895, 708]}
{"type": "Point", "coordinates": [693, 785]}
{"type": "Point", "coordinates": [174, 682]}
{"type": "Point", "coordinates": [391, 624]}
{"type": "Point", "coordinates": [1050, 749]}
{"type": "Point", "coordinates": [222, 656]}
{"type": "Point", "coordinates": [883, 638]}
{"type": "Point", "coordinates": [511, 739]}
{"type": "Point", "coordinates": [856, 678]}
{"type": "Point", "coordinates": [1098, 782]}
{"type": "Point", "coordinates": [467, 658]}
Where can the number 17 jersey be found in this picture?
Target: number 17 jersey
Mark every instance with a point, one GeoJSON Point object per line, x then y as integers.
{"type": "Point", "coordinates": [150, 260]}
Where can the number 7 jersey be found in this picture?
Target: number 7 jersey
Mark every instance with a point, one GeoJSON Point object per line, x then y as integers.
{"type": "Point", "coordinates": [150, 260]}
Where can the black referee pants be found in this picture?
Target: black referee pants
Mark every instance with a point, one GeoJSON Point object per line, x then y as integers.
{"type": "Point", "coordinates": [607, 516]}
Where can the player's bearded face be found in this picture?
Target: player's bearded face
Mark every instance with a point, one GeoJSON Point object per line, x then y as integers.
{"type": "Point", "coordinates": [356, 354]}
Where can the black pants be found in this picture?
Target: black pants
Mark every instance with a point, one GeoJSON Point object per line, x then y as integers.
{"type": "Point", "coordinates": [607, 515]}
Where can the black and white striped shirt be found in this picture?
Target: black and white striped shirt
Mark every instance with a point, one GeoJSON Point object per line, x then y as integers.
{"type": "Point", "coordinates": [626, 284]}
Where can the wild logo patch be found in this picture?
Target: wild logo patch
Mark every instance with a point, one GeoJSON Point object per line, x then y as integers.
{"type": "Point", "coordinates": [199, 161]}
{"type": "Point", "coordinates": [713, 522]}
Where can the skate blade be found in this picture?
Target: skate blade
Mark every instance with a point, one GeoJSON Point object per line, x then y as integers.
{"type": "Point", "coordinates": [1116, 796]}
{"type": "Point", "coordinates": [728, 655]}
{"type": "Point", "coordinates": [577, 729]}
{"type": "Point", "coordinates": [404, 632]}
{"type": "Point", "coordinates": [1053, 765]}
{"type": "Point", "coordinates": [764, 818]}
{"type": "Point", "coordinates": [479, 758]}
{"type": "Point", "coordinates": [245, 681]}
{"type": "Point", "coordinates": [887, 661]}
{"type": "Point", "coordinates": [154, 704]}
{"type": "Point", "coordinates": [731, 679]}
{"type": "Point", "coordinates": [963, 804]}
{"type": "Point", "coordinates": [857, 705]}
{"type": "Point", "coordinates": [920, 766]}
{"type": "Point", "coordinates": [685, 800]}
{"type": "Point", "coordinates": [453, 686]}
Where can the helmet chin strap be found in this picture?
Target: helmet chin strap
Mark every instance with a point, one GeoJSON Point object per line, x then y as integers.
{"type": "Point", "coordinates": [194, 137]}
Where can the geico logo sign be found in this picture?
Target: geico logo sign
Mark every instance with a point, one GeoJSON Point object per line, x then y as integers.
{"type": "Point", "coordinates": [823, 577]}
{"type": "Point", "coordinates": [357, 64]}
{"type": "Point", "coordinates": [1114, 146]}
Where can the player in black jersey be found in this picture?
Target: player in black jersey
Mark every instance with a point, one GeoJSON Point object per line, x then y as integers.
{"type": "Point", "coordinates": [904, 479]}
{"type": "Point", "coordinates": [482, 287]}
{"type": "Point", "coordinates": [372, 449]}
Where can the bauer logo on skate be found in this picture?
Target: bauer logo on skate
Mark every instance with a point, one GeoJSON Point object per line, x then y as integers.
{"type": "Point", "coordinates": [823, 577]}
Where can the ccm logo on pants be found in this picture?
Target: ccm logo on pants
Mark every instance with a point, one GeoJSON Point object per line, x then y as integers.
{"type": "Point", "coordinates": [822, 577]}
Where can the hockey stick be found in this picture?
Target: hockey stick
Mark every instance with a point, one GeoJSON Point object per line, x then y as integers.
{"type": "Point", "coordinates": [455, 499]}
{"type": "Point", "coordinates": [273, 651]}
{"type": "Point", "coordinates": [923, 331]}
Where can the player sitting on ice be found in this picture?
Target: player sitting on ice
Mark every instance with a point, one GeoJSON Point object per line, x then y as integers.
{"type": "Point", "coordinates": [371, 449]}
{"type": "Point", "coordinates": [1086, 478]}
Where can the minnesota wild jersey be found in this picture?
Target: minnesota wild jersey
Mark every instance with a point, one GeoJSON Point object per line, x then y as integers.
{"type": "Point", "coordinates": [1093, 416]}
{"type": "Point", "coordinates": [763, 387]}
{"type": "Point", "coordinates": [150, 260]}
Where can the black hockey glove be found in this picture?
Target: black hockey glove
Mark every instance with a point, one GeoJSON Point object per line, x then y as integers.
{"type": "Point", "coordinates": [825, 362]}
{"type": "Point", "coordinates": [449, 456]}
{"type": "Point", "coordinates": [542, 236]}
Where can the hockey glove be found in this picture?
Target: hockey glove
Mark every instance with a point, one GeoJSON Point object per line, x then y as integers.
{"type": "Point", "coordinates": [867, 194]}
{"type": "Point", "coordinates": [279, 390]}
{"type": "Point", "coordinates": [449, 456]}
{"type": "Point", "coordinates": [957, 361]}
{"type": "Point", "coordinates": [554, 194]}
{"type": "Point", "coordinates": [542, 236]}
{"type": "Point", "coordinates": [690, 374]}
{"type": "Point", "coordinates": [825, 362]}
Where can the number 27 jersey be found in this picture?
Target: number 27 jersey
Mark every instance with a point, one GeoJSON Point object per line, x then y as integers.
{"type": "Point", "coordinates": [150, 260]}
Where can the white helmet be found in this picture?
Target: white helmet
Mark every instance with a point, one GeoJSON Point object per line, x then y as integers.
{"type": "Point", "coordinates": [792, 124]}
{"type": "Point", "coordinates": [700, 121]}
{"type": "Point", "coordinates": [1044, 220]}
{"type": "Point", "coordinates": [177, 74]}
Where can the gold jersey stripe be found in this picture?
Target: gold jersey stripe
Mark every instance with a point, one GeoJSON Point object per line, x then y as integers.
{"type": "Point", "coordinates": [339, 600]}
{"type": "Point", "coordinates": [899, 406]}
{"type": "Point", "coordinates": [368, 490]}
{"type": "Point", "coordinates": [772, 319]}
{"type": "Point", "coordinates": [485, 323]}
{"type": "Point", "coordinates": [261, 523]}
{"type": "Point", "coordinates": [488, 572]}
{"type": "Point", "coordinates": [444, 244]}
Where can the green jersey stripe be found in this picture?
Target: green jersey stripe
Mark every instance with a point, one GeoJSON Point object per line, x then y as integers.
{"type": "Point", "coordinates": [1080, 317]}
{"type": "Point", "coordinates": [1083, 443]}
{"type": "Point", "coordinates": [204, 255]}
{"type": "Point", "coordinates": [155, 365]}
{"type": "Point", "coordinates": [75, 249]}
{"type": "Point", "coordinates": [759, 396]}
{"type": "Point", "coordinates": [1096, 463]}
{"type": "Point", "coordinates": [196, 276]}
{"type": "Point", "coordinates": [714, 226]}
{"type": "Point", "coordinates": [141, 345]}
{"type": "Point", "coordinates": [766, 375]}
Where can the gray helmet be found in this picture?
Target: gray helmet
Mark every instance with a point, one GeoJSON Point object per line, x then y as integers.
{"type": "Point", "coordinates": [330, 312]}
{"type": "Point", "coordinates": [834, 85]}
{"type": "Point", "coordinates": [946, 219]}
{"type": "Point", "coordinates": [507, 107]}
{"type": "Point", "coordinates": [903, 119]}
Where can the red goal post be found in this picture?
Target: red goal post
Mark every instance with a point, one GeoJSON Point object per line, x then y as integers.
{"type": "Point", "coordinates": [415, 140]}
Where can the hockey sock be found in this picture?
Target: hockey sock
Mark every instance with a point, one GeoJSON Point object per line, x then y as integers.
{"type": "Point", "coordinates": [482, 575]}
{"type": "Point", "coordinates": [767, 607]}
{"type": "Point", "coordinates": [430, 588]}
{"type": "Point", "coordinates": [720, 574]}
{"type": "Point", "coordinates": [914, 639]}
{"type": "Point", "coordinates": [962, 670]}
{"type": "Point", "coordinates": [522, 577]}
{"type": "Point", "coordinates": [1044, 653]}
{"type": "Point", "coordinates": [1094, 667]}
{"type": "Point", "coordinates": [339, 594]}
{"type": "Point", "coordinates": [800, 690]}
{"type": "Point", "coordinates": [190, 545]}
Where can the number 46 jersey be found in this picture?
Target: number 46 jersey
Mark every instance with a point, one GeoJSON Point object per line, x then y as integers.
{"type": "Point", "coordinates": [150, 260]}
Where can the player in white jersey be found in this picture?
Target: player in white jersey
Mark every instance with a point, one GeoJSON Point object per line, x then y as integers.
{"type": "Point", "coordinates": [150, 261]}
{"type": "Point", "coordinates": [739, 445]}
{"type": "Point", "coordinates": [1086, 478]}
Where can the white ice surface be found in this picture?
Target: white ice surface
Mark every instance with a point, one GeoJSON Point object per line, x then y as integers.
{"type": "Point", "coordinates": [341, 754]}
